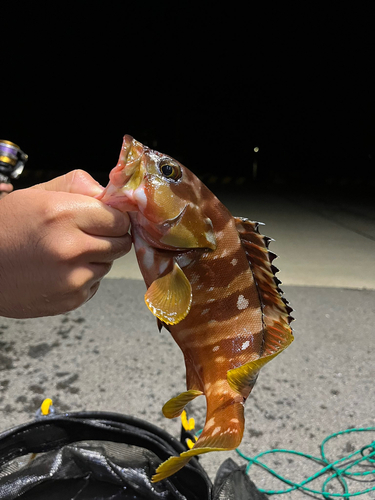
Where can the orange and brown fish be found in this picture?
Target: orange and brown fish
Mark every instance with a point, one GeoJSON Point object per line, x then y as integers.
{"type": "Point", "coordinates": [210, 281]}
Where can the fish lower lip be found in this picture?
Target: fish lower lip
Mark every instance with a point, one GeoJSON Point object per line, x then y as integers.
{"type": "Point", "coordinates": [113, 197]}
{"type": "Point", "coordinates": [123, 204]}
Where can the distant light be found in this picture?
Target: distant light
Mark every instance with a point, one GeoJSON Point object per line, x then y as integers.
{"type": "Point", "coordinates": [256, 149]}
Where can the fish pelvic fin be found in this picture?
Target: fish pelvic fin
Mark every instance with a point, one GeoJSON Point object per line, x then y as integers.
{"type": "Point", "coordinates": [223, 431]}
{"type": "Point", "coordinates": [175, 406]}
{"type": "Point", "coordinates": [169, 297]}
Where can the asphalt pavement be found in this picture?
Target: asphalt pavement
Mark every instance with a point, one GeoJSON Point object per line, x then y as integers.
{"type": "Point", "coordinates": [108, 354]}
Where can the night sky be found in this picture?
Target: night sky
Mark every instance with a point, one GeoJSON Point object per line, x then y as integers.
{"type": "Point", "coordinates": [205, 82]}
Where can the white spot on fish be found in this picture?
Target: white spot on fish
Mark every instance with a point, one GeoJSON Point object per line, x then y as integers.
{"type": "Point", "coordinates": [234, 262]}
{"type": "Point", "coordinates": [140, 197]}
{"type": "Point", "coordinates": [216, 430]}
{"type": "Point", "coordinates": [211, 238]}
{"type": "Point", "coordinates": [245, 344]}
{"type": "Point", "coordinates": [205, 311]}
{"type": "Point", "coordinates": [220, 359]}
{"type": "Point", "coordinates": [194, 278]}
{"type": "Point", "coordinates": [210, 423]}
{"type": "Point", "coordinates": [184, 260]}
{"type": "Point", "coordinates": [242, 303]}
{"type": "Point", "coordinates": [234, 420]}
{"type": "Point", "coordinates": [148, 258]}
{"type": "Point", "coordinates": [216, 348]}
{"type": "Point", "coordinates": [210, 289]}
{"type": "Point", "coordinates": [163, 266]}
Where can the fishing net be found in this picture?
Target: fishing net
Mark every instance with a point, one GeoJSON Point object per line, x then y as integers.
{"type": "Point", "coordinates": [100, 455]}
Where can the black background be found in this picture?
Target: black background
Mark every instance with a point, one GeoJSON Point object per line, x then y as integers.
{"type": "Point", "coordinates": [205, 82]}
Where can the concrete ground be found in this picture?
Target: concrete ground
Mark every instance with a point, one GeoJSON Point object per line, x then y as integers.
{"type": "Point", "coordinates": [109, 355]}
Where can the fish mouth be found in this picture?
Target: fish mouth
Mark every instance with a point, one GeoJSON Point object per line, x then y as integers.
{"type": "Point", "coordinates": [126, 177]}
{"type": "Point", "coordinates": [114, 197]}
{"type": "Point", "coordinates": [127, 173]}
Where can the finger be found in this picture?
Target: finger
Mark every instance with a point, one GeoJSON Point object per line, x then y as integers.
{"type": "Point", "coordinates": [93, 289]}
{"type": "Point", "coordinates": [76, 181]}
{"type": "Point", "coordinates": [95, 218]}
{"type": "Point", "coordinates": [82, 277]}
{"type": "Point", "coordinates": [6, 187]}
{"type": "Point", "coordinates": [105, 250]}
{"type": "Point", "coordinates": [83, 284]}
{"type": "Point", "coordinates": [88, 214]}
{"type": "Point", "coordinates": [99, 270]}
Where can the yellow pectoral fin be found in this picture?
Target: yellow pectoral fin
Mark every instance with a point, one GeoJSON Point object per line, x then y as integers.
{"type": "Point", "coordinates": [174, 464]}
{"type": "Point", "coordinates": [169, 297]}
{"type": "Point", "coordinates": [174, 407]}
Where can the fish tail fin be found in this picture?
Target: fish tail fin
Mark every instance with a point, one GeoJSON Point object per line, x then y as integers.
{"type": "Point", "coordinates": [223, 430]}
{"type": "Point", "coordinates": [170, 466]}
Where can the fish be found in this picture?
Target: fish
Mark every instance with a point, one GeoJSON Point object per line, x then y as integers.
{"type": "Point", "coordinates": [211, 283]}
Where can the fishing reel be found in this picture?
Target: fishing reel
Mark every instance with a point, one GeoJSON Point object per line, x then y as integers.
{"type": "Point", "coordinates": [12, 161]}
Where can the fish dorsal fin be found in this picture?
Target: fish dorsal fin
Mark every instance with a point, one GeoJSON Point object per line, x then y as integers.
{"type": "Point", "coordinates": [276, 310]}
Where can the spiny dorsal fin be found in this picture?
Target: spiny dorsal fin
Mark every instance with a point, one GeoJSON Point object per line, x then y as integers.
{"type": "Point", "coordinates": [277, 333]}
{"type": "Point", "coordinates": [276, 311]}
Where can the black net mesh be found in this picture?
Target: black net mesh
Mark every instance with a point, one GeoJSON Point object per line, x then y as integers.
{"type": "Point", "coordinates": [85, 470]}
{"type": "Point", "coordinates": [105, 456]}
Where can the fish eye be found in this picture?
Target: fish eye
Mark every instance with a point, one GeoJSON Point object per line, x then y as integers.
{"type": "Point", "coordinates": [171, 171]}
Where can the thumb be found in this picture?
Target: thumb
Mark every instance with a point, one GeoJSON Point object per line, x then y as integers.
{"type": "Point", "coordinates": [76, 181]}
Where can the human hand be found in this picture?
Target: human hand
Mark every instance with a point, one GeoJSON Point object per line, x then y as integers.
{"type": "Point", "coordinates": [57, 242]}
{"type": "Point", "coordinates": [5, 188]}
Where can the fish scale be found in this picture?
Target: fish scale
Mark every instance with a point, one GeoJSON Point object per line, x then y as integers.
{"type": "Point", "coordinates": [210, 281]}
